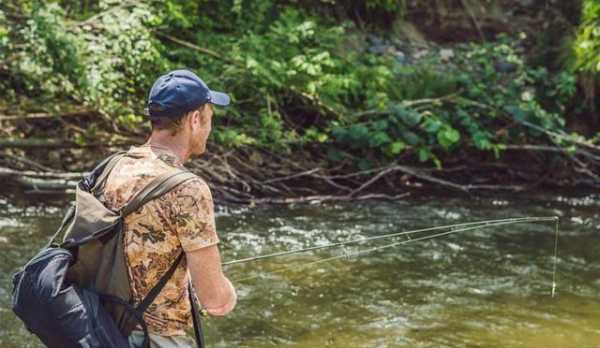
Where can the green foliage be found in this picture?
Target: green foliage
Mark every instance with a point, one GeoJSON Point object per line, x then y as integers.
{"type": "Point", "coordinates": [3, 35]}
{"type": "Point", "coordinates": [106, 62]}
{"type": "Point", "coordinates": [296, 77]}
{"type": "Point", "coordinates": [457, 104]}
{"type": "Point", "coordinates": [4, 48]}
{"type": "Point", "coordinates": [50, 64]}
{"type": "Point", "coordinates": [587, 44]}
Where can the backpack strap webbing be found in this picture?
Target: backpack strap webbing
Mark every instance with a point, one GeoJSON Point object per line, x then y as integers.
{"type": "Point", "coordinates": [108, 164]}
{"type": "Point", "coordinates": [156, 188]}
{"type": "Point", "coordinates": [153, 293]}
{"type": "Point", "coordinates": [198, 331]}
{"type": "Point", "coordinates": [68, 217]}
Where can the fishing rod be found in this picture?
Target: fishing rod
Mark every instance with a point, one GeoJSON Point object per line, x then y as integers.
{"type": "Point", "coordinates": [454, 228]}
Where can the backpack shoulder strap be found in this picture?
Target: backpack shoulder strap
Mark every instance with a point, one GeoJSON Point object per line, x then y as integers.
{"type": "Point", "coordinates": [198, 330]}
{"type": "Point", "coordinates": [153, 293]}
{"type": "Point", "coordinates": [108, 164]}
{"type": "Point", "coordinates": [156, 188]}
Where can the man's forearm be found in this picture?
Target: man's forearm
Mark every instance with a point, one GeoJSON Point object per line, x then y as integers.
{"type": "Point", "coordinates": [214, 290]}
{"type": "Point", "coordinates": [228, 305]}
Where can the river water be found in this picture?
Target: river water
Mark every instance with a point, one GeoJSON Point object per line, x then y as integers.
{"type": "Point", "coordinates": [489, 287]}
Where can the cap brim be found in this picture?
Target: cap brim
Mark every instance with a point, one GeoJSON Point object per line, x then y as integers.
{"type": "Point", "coordinates": [219, 98]}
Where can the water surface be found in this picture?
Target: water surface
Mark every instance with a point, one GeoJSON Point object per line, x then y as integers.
{"type": "Point", "coordinates": [484, 288]}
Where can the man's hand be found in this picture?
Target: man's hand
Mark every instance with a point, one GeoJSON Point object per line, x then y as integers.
{"type": "Point", "coordinates": [214, 290]}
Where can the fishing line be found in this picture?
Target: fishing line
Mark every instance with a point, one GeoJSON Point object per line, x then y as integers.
{"type": "Point", "coordinates": [555, 259]}
{"type": "Point", "coordinates": [346, 255]}
{"type": "Point", "coordinates": [390, 235]}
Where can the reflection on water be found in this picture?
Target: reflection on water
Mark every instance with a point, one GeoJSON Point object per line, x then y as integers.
{"type": "Point", "coordinates": [483, 288]}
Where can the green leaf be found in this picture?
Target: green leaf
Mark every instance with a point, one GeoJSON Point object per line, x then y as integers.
{"type": "Point", "coordinates": [481, 141]}
{"type": "Point", "coordinates": [396, 147]}
{"type": "Point", "coordinates": [411, 138]}
{"type": "Point", "coordinates": [448, 136]}
{"type": "Point", "coordinates": [424, 154]}
{"type": "Point", "coordinates": [378, 139]}
{"type": "Point", "coordinates": [380, 125]}
{"type": "Point", "coordinates": [358, 131]}
{"type": "Point", "coordinates": [432, 125]}
{"type": "Point", "coordinates": [322, 137]}
{"type": "Point", "coordinates": [410, 117]}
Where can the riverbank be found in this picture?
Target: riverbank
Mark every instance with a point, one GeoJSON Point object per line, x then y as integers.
{"type": "Point", "coordinates": [254, 176]}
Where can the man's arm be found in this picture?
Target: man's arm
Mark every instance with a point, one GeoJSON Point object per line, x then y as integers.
{"type": "Point", "coordinates": [194, 223]}
{"type": "Point", "coordinates": [214, 290]}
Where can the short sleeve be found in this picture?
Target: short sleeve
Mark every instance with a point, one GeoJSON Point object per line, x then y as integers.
{"type": "Point", "coordinates": [192, 215]}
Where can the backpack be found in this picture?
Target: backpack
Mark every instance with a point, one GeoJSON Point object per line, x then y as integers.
{"type": "Point", "coordinates": [76, 293]}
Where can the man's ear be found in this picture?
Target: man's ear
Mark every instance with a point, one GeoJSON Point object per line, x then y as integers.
{"type": "Point", "coordinates": [194, 118]}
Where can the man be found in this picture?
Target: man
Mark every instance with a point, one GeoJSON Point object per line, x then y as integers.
{"type": "Point", "coordinates": [180, 106]}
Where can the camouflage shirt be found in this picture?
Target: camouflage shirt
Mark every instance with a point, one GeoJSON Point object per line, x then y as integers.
{"type": "Point", "coordinates": [157, 232]}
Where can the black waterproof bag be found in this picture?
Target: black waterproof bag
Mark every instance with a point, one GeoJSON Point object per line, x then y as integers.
{"type": "Point", "coordinates": [61, 314]}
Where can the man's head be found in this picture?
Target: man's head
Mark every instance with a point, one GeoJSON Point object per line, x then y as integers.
{"type": "Point", "coordinates": [180, 106]}
{"type": "Point", "coordinates": [191, 129]}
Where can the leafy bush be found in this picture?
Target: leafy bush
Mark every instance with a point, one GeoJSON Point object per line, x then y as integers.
{"type": "Point", "coordinates": [50, 64]}
{"type": "Point", "coordinates": [296, 78]}
{"type": "Point", "coordinates": [465, 103]}
{"type": "Point", "coordinates": [587, 45]}
{"type": "Point", "coordinates": [105, 62]}
{"type": "Point", "coordinates": [587, 49]}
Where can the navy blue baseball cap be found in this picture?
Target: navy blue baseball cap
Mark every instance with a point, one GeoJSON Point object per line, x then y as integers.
{"type": "Point", "coordinates": [179, 92]}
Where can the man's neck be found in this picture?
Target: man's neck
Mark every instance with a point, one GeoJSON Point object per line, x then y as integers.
{"type": "Point", "coordinates": [178, 149]}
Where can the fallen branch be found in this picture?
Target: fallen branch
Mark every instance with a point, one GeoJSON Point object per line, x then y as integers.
{"type": "Point", "coordinates": [293, 176]}
{"type": "Point", "coordinates": [582, 167]}
{"type": "Point", "coordinates": [45, 184]}
{"type": "Point", "coordinates": [373, 180]}
{"type": "Point", "coordinates": [7, 172]}
{"type": "Point", "coordinates": [34, 142]}
{"type": "Point", "coordinates": [27, 162]}
{"type": "Point", "coordinates": [515, 188]}
{"type": "Point", "coordinates": [197, 48]}
{"type": "Point", "coordinates": [45, 115]}
{"type": "Point", "coordinates": [545, 148]}
{"type": "Point", "coordinates": [56, 143]}
{"type": "Point", "coordinates": [426, 177]}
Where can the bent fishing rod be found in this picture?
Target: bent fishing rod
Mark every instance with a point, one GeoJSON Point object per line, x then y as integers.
{"type": "Point", "coordinates": [446, 230]}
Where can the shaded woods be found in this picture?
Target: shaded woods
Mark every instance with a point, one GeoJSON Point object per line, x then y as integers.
{"type": "Point", "coordinates": [332, 100]}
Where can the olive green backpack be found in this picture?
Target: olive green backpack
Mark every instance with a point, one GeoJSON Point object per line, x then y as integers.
{"type": "Point", "coordinates": [93, 235]}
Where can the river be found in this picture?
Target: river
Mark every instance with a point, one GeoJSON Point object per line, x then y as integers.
{"type": "Point", "coordinates": [489, 287]}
